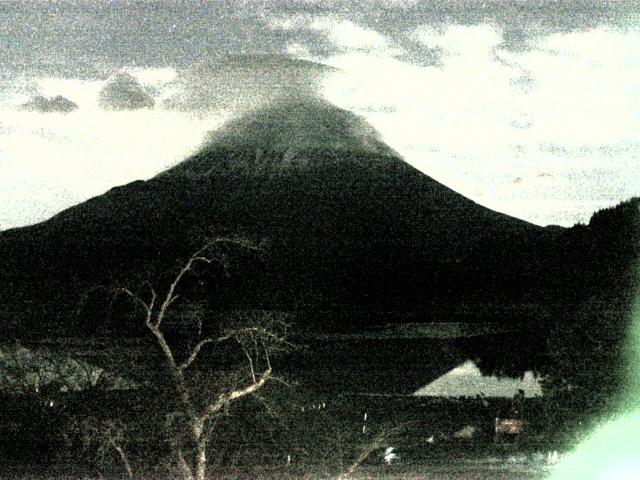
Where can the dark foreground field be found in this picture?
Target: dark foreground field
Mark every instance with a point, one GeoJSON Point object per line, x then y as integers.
{"type": "Point", "coordinates": [295, 436]}
{"type": "Point", "coordinates": [470, 468]}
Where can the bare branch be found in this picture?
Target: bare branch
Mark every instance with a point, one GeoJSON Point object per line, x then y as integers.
{"type": "Point", "coordinates": [198, 256]}
{"type": "Point", "coordinates": [173, 299]}
{"type": "Point", "coordinates": [224, 399]}
{"type": "Point", "coordinates": [196, 350]}
{"type": "Point", "coordinates": [123, 458]}
{"type": "Point", "coordinates": [375, 444]}
{"type": "Point", "coordinates": [246, 353]}
{"type": "Point", "coordinates": [270, 411]}
{"type": "Point", "coordinates": [264, 376]}
{"type": "Point", "coordinates": [266, 355]}
{"type": "Point", "coordinates": [136, 299]}
{"type": "Point", "coordinates": [164, 346]}
{"type": "Point", "coordinates": [257, 342]}
{"type": "Point", "coordinates": [281, 381]}
{"type": "Point", "coordinates": [84, 298]}
{"type": "Point", "coordinates": [266, 333]}
{"type": "Point", "coordinates": [153, 301]}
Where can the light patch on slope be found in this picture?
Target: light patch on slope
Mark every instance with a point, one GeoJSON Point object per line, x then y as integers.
{"type": "Point", "coordinates": [467, 380]}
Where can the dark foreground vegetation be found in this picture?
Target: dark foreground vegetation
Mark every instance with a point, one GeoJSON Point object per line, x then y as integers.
{"type": "Point", "coordinates": [285, 433]}
{"type": "Point", "coordinates": [209, 402]}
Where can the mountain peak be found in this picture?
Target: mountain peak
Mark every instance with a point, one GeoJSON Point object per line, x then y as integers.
{"type": "Point", "coordinates": [282, 131]}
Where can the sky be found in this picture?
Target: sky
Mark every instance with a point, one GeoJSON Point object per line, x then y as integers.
{"type": "Point", "coordinates": [530, 108]}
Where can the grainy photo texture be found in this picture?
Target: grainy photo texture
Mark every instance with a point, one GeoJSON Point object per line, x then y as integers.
{"type": "Point", "coordinates": [304, 239]}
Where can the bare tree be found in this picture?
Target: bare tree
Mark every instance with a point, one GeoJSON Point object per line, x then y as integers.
{"type": "Point", "coordinates": [101, 439]}
{"type": "Point", "coordinates": [200, 405]}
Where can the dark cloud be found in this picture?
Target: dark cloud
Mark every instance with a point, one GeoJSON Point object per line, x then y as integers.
{"type": "Point", "coordinates": [241, 82]}
{"type": "Point", "coordinates": [417, 53]}
{"type": "Point", "coordinates": [520, 17]}
{"type": "Point", "coordinates": [60, 104]}
{"type": "Point", "coordinates": [515, 39]}
{"type": "Point", "coordinates": [89, 33]}
{"type": "Point", "coordinates": [123, 92]}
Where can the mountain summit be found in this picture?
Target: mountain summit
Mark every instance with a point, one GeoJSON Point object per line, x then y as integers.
{"type": "Point", "coordinates": [284, 134]}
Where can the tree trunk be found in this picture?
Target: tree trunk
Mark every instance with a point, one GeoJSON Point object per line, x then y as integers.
{"type": "Point", "coordinates": [201, 458]}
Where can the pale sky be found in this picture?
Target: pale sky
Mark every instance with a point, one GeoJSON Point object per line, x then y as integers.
{"type": "Point", "coordinates": [531, 108]}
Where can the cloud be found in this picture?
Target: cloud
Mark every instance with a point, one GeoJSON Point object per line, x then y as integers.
{"type": "Point", "coordinates": [467, 41]}
{"type": "Point", "coordinates": [586, 88]}
{"type": "Point", "coordinates": [576, 89]}
{"type": "Point", "coordinates": [42, 104]}
{"type": "Point", "coordinates": [602, 46]}
{"type": "Point", "coordinates": [339, 34]}
{"type": "Point", "coordinates": [123, 91]}
{"type": "Point", "coordinates": [52, 161]}
{"type": "Point", "coordinates": [235, 83]}
{"type": "Point", "coordinates": [288, 23]}
{"type": "Point", "coordinates": [347, 35]}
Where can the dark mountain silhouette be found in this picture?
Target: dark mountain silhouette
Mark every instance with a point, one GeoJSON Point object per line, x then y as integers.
{"type": "Point", "coordinates": [353, 237]}
{"type": "Point", "coordinates": [346, 221]}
